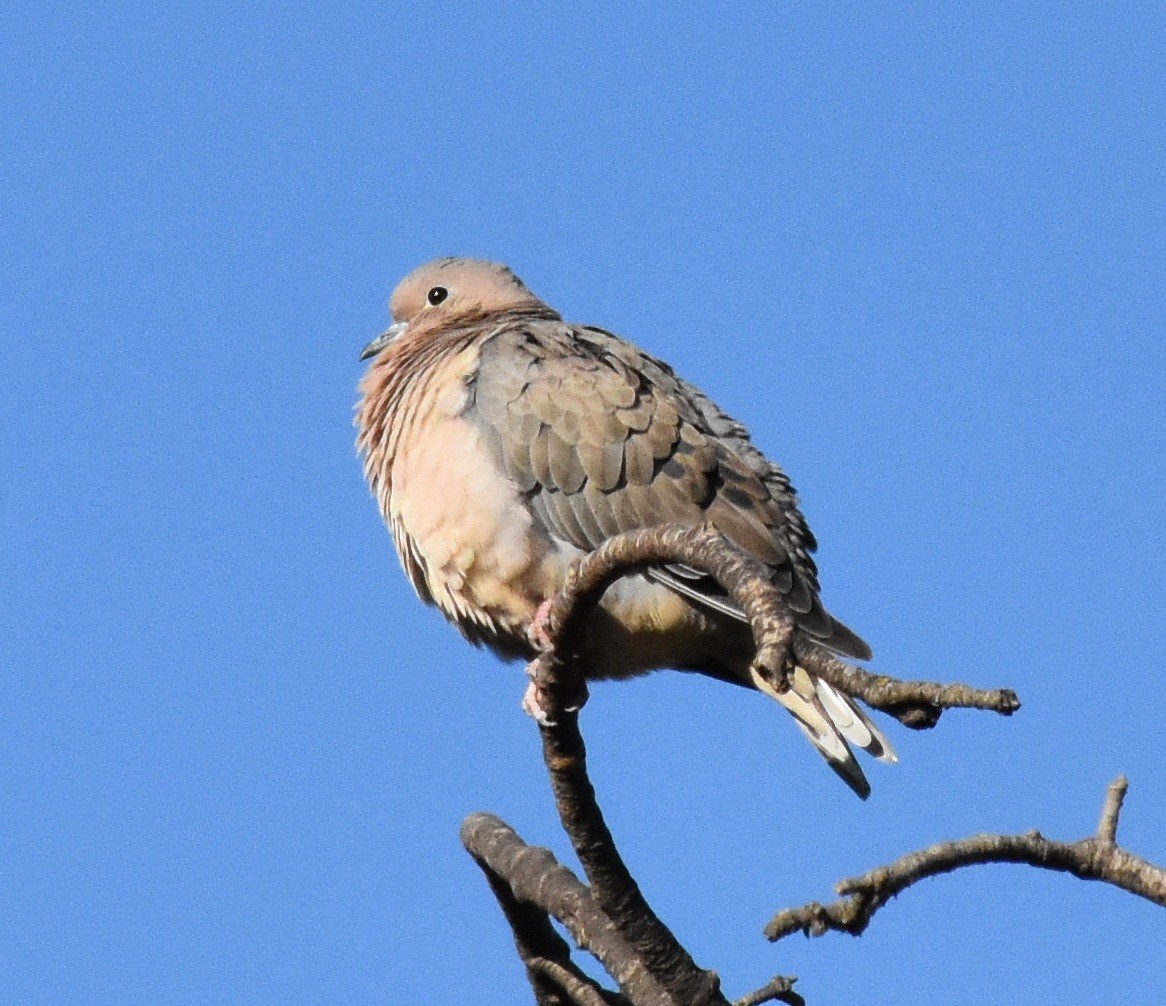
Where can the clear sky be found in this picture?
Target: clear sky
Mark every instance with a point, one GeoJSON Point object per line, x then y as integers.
{"type": "Point", "coordinates": [918, 249]}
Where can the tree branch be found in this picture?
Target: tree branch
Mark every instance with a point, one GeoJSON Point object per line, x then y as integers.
{"type": "Point", "coordinates": [743, 579]}
{"type": "Point", "coordinates": [1095, 858]}
{"type": "Point", "coordinates": [1111, 810]}
{"type": "Point", "coordinates": [612, 886]}
{"type": "Point", "coordinates": [554, 977]}
{"type": "Point", "coordinates": [777, 989]}
{"type": "Point", "coordinates": [560, 683]}
{"type": "Point", "coordinates": [580, 989]}
{"type": "Point", "coordinates": [526, 876]}
{"type": "Point", "coordinates": [917, 704]}
{"type": "Point", "coordinates": [611, 918]}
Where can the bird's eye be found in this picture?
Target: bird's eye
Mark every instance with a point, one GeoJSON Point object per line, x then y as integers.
{"type": "Point", "coordinates": [437, 295]}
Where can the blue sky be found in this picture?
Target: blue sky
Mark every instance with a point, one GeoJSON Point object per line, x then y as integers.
{"type": "Point", "coordinates": [918, 249]}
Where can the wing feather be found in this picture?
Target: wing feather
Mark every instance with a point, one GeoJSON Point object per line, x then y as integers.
{"type": "Point", "coordinates": [602, 438]}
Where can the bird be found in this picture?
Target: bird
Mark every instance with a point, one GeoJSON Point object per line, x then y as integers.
{"type": "Point", "coordinates": [502, 443]}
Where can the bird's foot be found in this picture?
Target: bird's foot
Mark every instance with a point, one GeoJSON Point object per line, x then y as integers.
{"type": "Point", "coordinates": [539, 632]}
{"type": "Point", "coordinates": [533, 700]}
{"type": "Point", "coordinates": [538, 703]}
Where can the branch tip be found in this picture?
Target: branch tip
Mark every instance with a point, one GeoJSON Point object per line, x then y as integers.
{"type": "Point", "coordinates": [1098, 857]}
{"type": "Point", "coordinates": [780, 988]}
{"type": "Point", "coordinates": [1115, 795]}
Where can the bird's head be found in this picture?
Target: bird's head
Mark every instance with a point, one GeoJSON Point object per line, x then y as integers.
{"type": "Point", "coordinates": [452, 292]}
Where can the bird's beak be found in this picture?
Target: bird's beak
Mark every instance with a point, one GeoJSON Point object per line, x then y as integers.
{"type": "Point", "coordinates": [390, 334]}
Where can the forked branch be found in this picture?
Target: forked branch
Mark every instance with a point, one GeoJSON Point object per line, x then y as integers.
{"type": "Point", "coordinates": [609, 917]}
{"type": "Point", "coordinates": [1097, 857]}
{"type": "Point", "coordinates": [531, 885]}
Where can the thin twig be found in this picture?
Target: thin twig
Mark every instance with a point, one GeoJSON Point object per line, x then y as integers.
{"type": "Point", "coordinates": [778, 989]}
{"type": "Point", "coordinates": [1111, 809]}
{"type": "Point", "coordinates": [1093, 858]}
{"type": "Point", "coordinates": [614, 889]}
{"type": "Point", "coordinates": [916, 704]}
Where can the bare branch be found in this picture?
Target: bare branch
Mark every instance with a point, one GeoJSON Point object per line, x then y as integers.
{"type": "Point", "coordinates": [742, 577]}
{"type": "Point", "coordinates": [1111, 809]}
{"type": "Point", "coordinates": [560, 680]}
{"type": "Point", "coordinates": [532, 876]}
{"type": "Point", "coordinates": [580, 989]}
{"type": "Point", "coordinates": [777, 989]}
{"type": "Point", "coordinates": [545, 953]}
{"type": "Point", "coordinates": [917, 704]}
{"type": "Point", "coordinates": [612, 886]}
{"type": "Point", "coordinates": [560, 683]}
{"type": "Point", "coordinates": [1093, 858]}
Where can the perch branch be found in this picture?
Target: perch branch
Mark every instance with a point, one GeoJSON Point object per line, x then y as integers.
{"type": "Point", "coordinates": [615, 891]}
{"type": "Point", "coordinates": [1095, 858]}
{"type": "Point", "coordinates": [560, 683]}
{"type": "Point", "coordinates": [917, 704]}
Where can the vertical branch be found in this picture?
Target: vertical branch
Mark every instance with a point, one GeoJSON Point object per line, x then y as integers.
{"type": "Point", "coordinates": [558, 688]}
{"type": "Point", "coordinates": [1110, 811]}
{"type": "Point", "coordinates": [612, 886]}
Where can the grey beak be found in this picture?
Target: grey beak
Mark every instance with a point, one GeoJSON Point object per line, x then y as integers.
{"type": "Point", "coordinates": [390, 334]}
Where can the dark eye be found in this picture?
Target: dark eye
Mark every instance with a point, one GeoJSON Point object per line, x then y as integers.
{"type": "Point", "coordinates": [437, 295]}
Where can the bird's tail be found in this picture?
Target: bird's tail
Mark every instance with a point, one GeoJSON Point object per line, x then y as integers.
{"type": "Point", "coordinates": [830, 719]}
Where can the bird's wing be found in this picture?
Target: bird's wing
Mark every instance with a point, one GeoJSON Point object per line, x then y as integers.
{"type": "Point", "coordinates": [601, 438]}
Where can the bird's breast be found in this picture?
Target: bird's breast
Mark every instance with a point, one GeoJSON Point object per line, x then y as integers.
{"type": "Point", "coordinates": [464, 536]}
{"type": "Point", "coordinates": [471, 543]}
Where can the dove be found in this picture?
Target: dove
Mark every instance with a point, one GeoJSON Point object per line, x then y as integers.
{"type": "Point", "coordinates": [501, 443]}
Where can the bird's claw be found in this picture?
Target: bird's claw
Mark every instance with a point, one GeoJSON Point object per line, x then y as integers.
{"type": "Point", "coordinates": [532, 705]}
{"type": "Point", "coordinates": [776, 665]}
{"type": "Point", "coordinates": [538, 704]}
{"type": "Point", "coordinates": [539, 632]}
